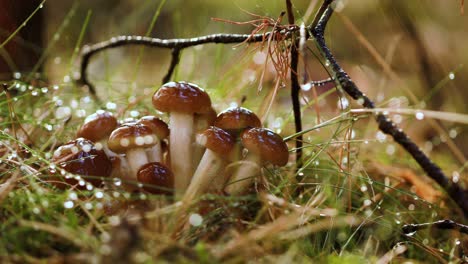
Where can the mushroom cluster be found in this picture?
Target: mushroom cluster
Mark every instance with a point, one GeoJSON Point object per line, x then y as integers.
{"type": "Point", "coordinates": [188, 156]}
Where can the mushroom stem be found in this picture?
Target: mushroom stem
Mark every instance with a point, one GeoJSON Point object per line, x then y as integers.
{"type": "Point", "coordinates": [244, 176]}
{"type": "Point", "coordinates": [180, 149]}
{"type": "Point", "coordinates": [207, 171]}
{"type": "Point", "coordinates": [155, 153]}
{"type": "Point", "coordinates": [106, 149]}
{"type": "Point", "coordinates": [136, 158]}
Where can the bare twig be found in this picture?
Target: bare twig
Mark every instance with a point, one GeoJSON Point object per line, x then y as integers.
{"type": "Point", "coordinates": [174, 62]}
{"type": "Point", "coordinates": [295, 88]}
{"type": "Point", "coordinates": [441, 224]}
{"type": "Point", "coordinates": [385, 124]}
{"type": "Point", "coordinates": [175, 44]}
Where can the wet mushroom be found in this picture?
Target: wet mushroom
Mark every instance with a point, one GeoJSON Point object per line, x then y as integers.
{"type": "Point", "coordinates": [161, 130]}
{"type": "Point", "coordinates": [236, 119]}
{"type": "Point", "coordinates": [158, 178]}
{"type": "Point", "coordinates": [264, 146]}
{"type": "Point", "coordinates": [132, 140]}
{"type": "Point", "coordinates": [97, 127]}
{"type": "Point", "coordinates": [81, 157]}
{"type": "Point", "coordinates": [201, 123]}
{"type": "Point", "coordinates": [219, 145]}
{"type": "Point", "coordinates": [182, 100]}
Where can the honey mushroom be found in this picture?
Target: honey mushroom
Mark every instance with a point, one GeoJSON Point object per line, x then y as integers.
{"type": "Point", "coordinates": [201, 123]}
{"type": "Point", "coordinates": [182, 101]}
{"type": "Point", "coordinates": [219, 145]}
{"type": "Point", "coordinates": [97, 127]}
{"type": "Point", "coordinates": [264, 146]}
{"type": "Point", "coordinates": [157, 177]}
{"type": "Point", "coordinates": [161, 131]}
{"type": "Point", "coordinates": [234, 120]}
{"type": "Point", "coordinates": [81, 157]}
{"type": "Point", "coordinates": [132, 139]}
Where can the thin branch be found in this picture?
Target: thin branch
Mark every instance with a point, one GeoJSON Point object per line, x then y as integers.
{"type": "Point", "coordinates": [180, 44]}
{"type": "Point", "coordinates": [295, 88]}
{"type": "Point", "coordinates": [175, 58]}
{"type": "Point", "coordinates": [441, 224]}
{"type": "Point", "coordinates": [385, 124]}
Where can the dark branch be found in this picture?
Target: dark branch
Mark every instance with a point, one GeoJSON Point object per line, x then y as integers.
{"type": "Point", "coordinates": [175, 58]}
{"type": "Point", "coordinates": [385, 124]}
{"type": "Point", "coordinates": [295, 88]}
{"type": "Point", "coordinates": [442, 224]}
{"type": "Point", "coordinates": [179, 44]}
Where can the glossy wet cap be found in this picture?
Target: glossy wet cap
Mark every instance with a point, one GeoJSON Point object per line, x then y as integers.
{"type": "Point", "coordinates": [80, 157]}
{"type": "Point", "coordinates": [158, 126]}
{"type": "Point", "coordinates": [235, 119]}
{"type": "Point", "coordinates": [217, 140]}
{"type": "Point", "coordinates": [131, 136]}
{"type": "Point", "coordinates": [181, 97]}
{"type": "Point", "coordinates": [266, 144]}
{"type": "Point", "coordinates": [98, 126]}
{"type": "Point", "coordinates": [158, 175]}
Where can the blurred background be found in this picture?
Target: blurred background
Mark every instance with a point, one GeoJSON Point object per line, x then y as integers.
{"type": "Point", "coordinates": [403, 54]}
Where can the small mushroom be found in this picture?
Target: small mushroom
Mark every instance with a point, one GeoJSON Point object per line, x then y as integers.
{"type": "Point", "coordinates": [97, 127]}
{"type": "Point", "coordinates": [219, 145]}
{"type": "Point", "coordinates": [182, 100]}
{"type": "Point", "coordinates": [236, 119]}
{"type": "Point", "coordinates": [161, 130]}
{"type": "Point", "coordinates": [201, 123]}
{"type": "Point", "coordinates": [264, 146]}
{"type": "Point", "coordinates": [81, 157]}
{"type": "Point", "coordinates": [132, 140]}
{"type": "Point", "coordinates": [157, 175]}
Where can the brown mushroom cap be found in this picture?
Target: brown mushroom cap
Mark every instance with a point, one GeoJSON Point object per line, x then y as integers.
{"type": "Point", "coordinates": [98, 126]}
{"type": "Point", "coordinates": [217, 140]}
{"type": "Point", "coordinates": [266, 144]}
{"type": "Point", "coordinates": [181, 97]}
{"type": "Point", "coordinates": [158, 126]}
{"type": "Point", "coordinates": [131, 136]}
{"type": "Point", "coordinates": [235, 119]}
{"type": "Point", "coordinates": [79, 156]}
{"type": "Point", "coordinates": [157, 174]}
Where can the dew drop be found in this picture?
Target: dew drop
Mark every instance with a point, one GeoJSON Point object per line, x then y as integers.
{"type": "Point", "coordinates": [367, 202]}
{"type": "Point", "coordinates": [451, 76]}
{"type": "Point", "coordinates": [343, 103]}
{"type": "Point", "coordinates": [114, 220]}
{"type": "Point", "coordinates": [117, 181]}
{"type": "Point", "coordinates": [390, 150]}
{"type": "Point", "coordinates": [88, 206]}
{"type": "Point", "coordinates": [306, 87]}
{"type": "Point", "coordinates": [455, 176]}
{"type": "Point", "coordinates": [99, 195]}
{"type": "Point", "coordinates": [419, 115]}
{"type": "Point", "coordinates": [62, 112]}
{"type": "Point", "coordinates": [381, 137]}
{"type": "Point", "coordinates": [73, 196]}
{"type": "Point", "coordinates": [68, 204]}
{"type": "Point", "coordinates": [453, 133]}
{"type": "Point", "coordinates": [195, 220]}
{"type": "Point", "coordinates": [134, 113]}
{"type": "Point", "coordinates": [111, 106]}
